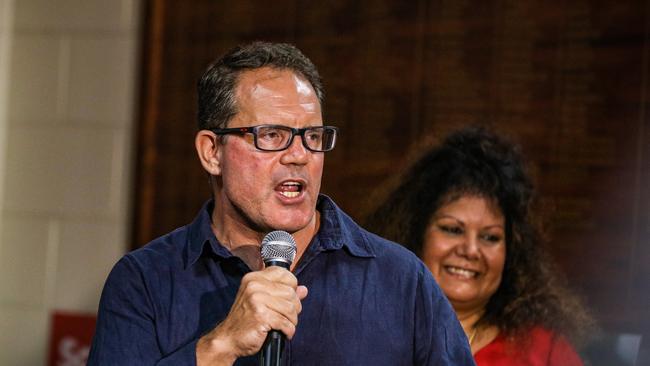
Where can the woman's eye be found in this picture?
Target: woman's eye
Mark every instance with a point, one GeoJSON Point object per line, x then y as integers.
{"type": "Point", "coordinates": [451, 229]}
{"type": "Point", "coordinates": [492, 238]}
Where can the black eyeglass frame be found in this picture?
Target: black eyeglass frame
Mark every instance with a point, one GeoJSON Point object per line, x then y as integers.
{"type": "Point", "coordinates": [294, 131]}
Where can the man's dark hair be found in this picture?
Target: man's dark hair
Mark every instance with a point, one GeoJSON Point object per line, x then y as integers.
{"type": "Point", "coordinates": [216, 88]}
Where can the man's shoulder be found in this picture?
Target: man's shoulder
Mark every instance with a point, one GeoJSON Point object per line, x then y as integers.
{"type": "Point", "coordinates": [380, 247]}
{"type": "Point", "coordinates": [389, 250]}
{"type": "Point", "coordinates": [166, 249]}
{"type": "Point", "coordinates": [383, 250]}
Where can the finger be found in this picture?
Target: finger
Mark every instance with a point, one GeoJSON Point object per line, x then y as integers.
{"type": "Point", "coordinates": [302, 292]}
{"type": "Point", "coordinates": [283, 325]}
{"type": "Point", "coordinates": [260, 294]}
{"type": "Point", "coordinates": [279, 274]}
{"type": "Point", "coordinates": [288, 308]}
{"type": "Point", "coordinates": [264, 312]}
{"type": "Point", "coordinates": [272, 289]}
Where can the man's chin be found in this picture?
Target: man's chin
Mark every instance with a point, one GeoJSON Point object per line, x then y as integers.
{"type": "Point", "coordinates": [292, 223]}
{"type": "Point", "coordinates": [290, 228]}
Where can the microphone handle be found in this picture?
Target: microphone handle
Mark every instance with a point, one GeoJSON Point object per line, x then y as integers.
{"type": "Point", "coordinates": [272, 352]}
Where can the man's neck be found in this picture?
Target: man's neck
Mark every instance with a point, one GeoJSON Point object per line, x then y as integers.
{"type": "Point", "coordinates": [244, 242]}
{"type": "Point", "coordinates": [304, 237]}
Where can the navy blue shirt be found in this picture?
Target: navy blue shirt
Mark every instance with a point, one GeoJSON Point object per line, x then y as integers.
{"type": "Point", "coordinates": [370, 302]}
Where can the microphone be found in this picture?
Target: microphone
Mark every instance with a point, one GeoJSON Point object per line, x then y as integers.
{"type": "Point", "coordinates": [278, 249]}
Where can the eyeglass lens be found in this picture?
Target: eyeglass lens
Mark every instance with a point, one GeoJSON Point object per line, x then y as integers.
{"type": "Point", "coordinates": [319, 138]}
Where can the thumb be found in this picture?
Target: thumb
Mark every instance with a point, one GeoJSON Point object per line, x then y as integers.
{"type": "Point", "coordinates": [302, 292]}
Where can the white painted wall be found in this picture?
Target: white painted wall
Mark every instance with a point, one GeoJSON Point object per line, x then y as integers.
{"type": "Point", "coordinates": [67, 93]}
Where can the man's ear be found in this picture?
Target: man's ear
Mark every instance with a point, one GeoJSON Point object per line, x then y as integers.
{"type": "Point", "coordinates": [209, 151]}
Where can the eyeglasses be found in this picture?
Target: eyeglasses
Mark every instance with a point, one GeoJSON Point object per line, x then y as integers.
{"type": "Point", "coordinates": [278, 137]}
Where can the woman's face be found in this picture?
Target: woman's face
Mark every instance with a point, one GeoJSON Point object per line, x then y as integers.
{"type": "Point", "coordinates": [465, 249]}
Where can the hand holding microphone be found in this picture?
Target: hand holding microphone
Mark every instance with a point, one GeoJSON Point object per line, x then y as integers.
{"type": "Point", "coordinates": [267, 302]}
{"type": "Point", "coordinates": [278, 249]}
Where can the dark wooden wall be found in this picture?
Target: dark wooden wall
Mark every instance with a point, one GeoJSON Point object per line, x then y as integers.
{"type": "Point", "coordinates": [568, 80]}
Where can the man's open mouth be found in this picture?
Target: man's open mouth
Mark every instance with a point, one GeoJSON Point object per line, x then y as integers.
{"type": "Point", "coordinates": [290, 189]}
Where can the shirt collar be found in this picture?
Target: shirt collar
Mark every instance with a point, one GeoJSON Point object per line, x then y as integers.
{"type": "Point", "coordinates": [337, 231]}
{"type": "Point", "coordinates": [201, 238]}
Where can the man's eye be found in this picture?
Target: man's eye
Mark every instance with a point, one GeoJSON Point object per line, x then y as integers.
{"type": "Point", "coordinates": [314, 135]}
{"type": "Point", "coordinates": [269, 135]}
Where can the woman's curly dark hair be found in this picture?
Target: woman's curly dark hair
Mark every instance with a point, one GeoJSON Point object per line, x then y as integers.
{"type": "Point", "coordinates": [475, 161]}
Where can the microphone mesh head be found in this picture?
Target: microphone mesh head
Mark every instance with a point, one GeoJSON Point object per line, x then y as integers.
{"type": "Point", "coordinates": [278, 246]}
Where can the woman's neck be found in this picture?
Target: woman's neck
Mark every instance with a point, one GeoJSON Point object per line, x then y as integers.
{"type": "Point", "coordinates": [477, 336]}
{"type": "Point", "coordinates": [468, 320]}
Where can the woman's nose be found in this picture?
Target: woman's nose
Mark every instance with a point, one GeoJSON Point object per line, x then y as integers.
{"type": "Point", "coordinates": [469, 247]}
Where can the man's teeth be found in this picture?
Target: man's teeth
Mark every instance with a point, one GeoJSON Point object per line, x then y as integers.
{"type": "Point", "coordinates": [462, 272]}
{"type": "Point", "coordinates": [291, 189]}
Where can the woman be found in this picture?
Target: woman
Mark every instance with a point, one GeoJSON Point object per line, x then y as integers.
{"type": "Point", "coordinates": [465, 209]}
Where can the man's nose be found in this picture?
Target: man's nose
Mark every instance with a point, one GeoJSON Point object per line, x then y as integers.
{"type": "Point", "coordinates": [296, 153]}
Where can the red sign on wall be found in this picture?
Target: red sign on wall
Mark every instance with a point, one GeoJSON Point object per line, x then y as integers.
{"type": "Point", "coordinates": [70, 339]}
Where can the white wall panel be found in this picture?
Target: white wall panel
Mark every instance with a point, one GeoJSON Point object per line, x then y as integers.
{"type": "Point", "coordinates": [23, 340]}
{"type": "Point", "coordinates": [87, 252]}
{"type": "Point", "coordinates": [23, 261]}
{"type": "Point", "coordinates": [102, 80]}
{"type": "Point", "coordinates": [77, 15]}
{"type": "Point", "coordinates": [35, 96]}
{"type": "Point", "coordinates": [67, 87]}
{"type": "Point", "coordinates": [60, 171]}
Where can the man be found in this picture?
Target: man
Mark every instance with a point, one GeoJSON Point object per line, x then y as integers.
{"type": "Point", "coordinates": [201, 295]}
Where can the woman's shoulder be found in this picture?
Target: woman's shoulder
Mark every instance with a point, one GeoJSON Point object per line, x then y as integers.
{"type": "Point", "coordinates": [538, 346]}
{"type": "Point", "coordinates": [543, 336]}
{"type": "Point", "coordinates": [550, 340]}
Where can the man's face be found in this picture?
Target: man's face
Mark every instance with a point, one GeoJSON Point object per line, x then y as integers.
{"type": "Point", "coordinates": [262, 190]}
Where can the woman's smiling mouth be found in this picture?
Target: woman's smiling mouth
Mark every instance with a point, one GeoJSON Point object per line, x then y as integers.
{"type": "Point", "coordinates": [461, 272]}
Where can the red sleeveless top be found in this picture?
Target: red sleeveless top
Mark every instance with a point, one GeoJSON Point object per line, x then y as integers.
{"type": "Point", "coordinates": [544, 349]}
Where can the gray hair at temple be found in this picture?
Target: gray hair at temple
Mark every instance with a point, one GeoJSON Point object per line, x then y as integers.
{"type": "Point", "coordinates": [216, 88]}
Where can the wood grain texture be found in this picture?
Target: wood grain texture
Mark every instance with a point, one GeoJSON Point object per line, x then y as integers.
{"type": "Point", "coordinates": [568, 81]}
